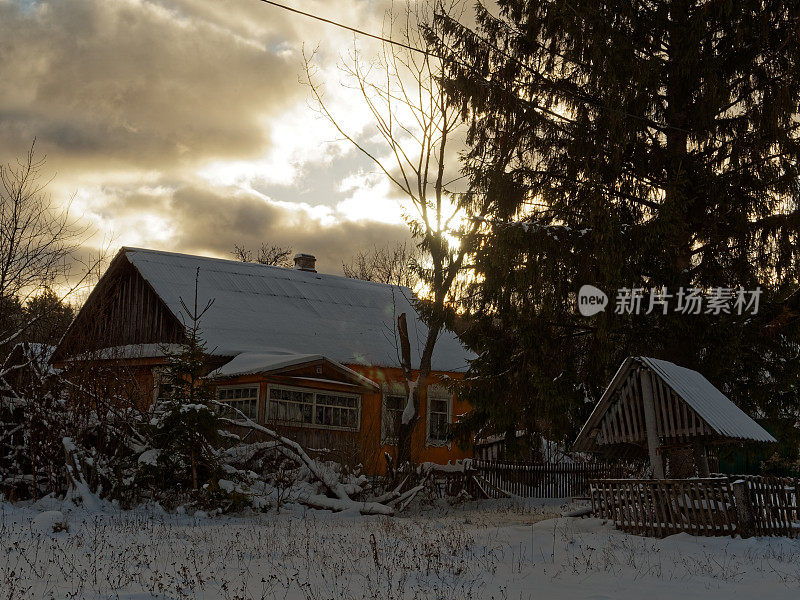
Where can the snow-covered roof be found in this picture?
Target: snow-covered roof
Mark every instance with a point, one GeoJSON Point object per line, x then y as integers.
{"type": "Point", "coordinates": [716, 410]}
{"type": "Point", "coordinates": [277, 311]}
{"type": "Point", "coordinates": [36, 355]}
{"type": "Point", "coordinates": [250, 363]}
{"type": "Point", "coordinates": [713, 406]}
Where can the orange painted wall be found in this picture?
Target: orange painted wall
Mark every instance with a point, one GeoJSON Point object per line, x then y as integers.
{"type": "Point", "coordinates": [362, 447]}
{"type": "Point", "coordinates": [420, 451]}
{"type": "Point", "coordinates": [367, 440]}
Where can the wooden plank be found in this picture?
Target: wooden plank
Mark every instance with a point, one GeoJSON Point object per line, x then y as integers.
{"type": "Point", "coordinates": [673, 414]}
{"type": "Point", "coordinates": [675, 522]}
{"type": "Point", "coordinates": [684, 419]}
{"type": "Point", "coordinates": [650, 412]}
{"type": "Point", "coordinates": [633, 405]}
{"type": "Point", "coordinates": [661, 408]}
{"type": "Point", "coordinates": [725, 503]}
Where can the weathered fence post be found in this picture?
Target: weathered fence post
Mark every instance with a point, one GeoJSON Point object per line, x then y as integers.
{"type": "Point", "coordinates": [700, 459]}
{"type": "Point", "coordinates": [744, 509]}
{"type": "Point", "coordinates": [653, 441]}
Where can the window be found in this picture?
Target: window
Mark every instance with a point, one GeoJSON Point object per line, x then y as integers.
{"type": "Point", "coordinates": [241, 397]}
{"type": "Point", "coordinates": [292, 405]}
{"type": "Point", "coordinates": [394, 401]}
{"type": "Point", "coordinates": [162, 390]}
{"type": "Point", "coordinates": [439, 401]}
{"type": "Point", "coordinates": [318, 409]}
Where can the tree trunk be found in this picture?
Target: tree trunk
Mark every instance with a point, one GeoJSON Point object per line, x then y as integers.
{"type": "Point", "coordinates": [194, 470]}
{"type": "Point", "coordinates": [406, 430]}
{"type": "Point", "coordinates": [414, 387]}
{"type": "Point", "coordinates": [678, 204]}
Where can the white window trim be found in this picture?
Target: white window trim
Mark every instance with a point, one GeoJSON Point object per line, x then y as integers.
{"type": "Point", "coordinates": [437, 392]}
{"type": "Point", "coordinates": [389, 389]}
{"type": "Point", "coordinates": [313, 391]}
{"type": "Point", "coordinates": [242, 386]}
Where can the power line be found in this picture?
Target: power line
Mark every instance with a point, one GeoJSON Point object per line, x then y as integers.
{"type": "Point", "coordinates": [493, 48]}
{"type": "Point", "coordinates": [347, 27]}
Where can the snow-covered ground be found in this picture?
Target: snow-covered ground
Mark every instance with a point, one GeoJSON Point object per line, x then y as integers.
{"type": "Point", "coordinates": [497, 550]}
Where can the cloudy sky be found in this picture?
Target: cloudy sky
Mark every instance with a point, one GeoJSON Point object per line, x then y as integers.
{"type": "Point", "coordinates": [182, 124]}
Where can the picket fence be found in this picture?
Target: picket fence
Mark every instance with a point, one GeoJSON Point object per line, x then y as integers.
{"type": "Point", "coordinates": [542, 480]}
{"type": "Point", "coordinates": [717, 506]}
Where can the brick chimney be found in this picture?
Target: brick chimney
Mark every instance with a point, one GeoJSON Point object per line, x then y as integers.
{"type": "Point", "coordinates": [305, 262]}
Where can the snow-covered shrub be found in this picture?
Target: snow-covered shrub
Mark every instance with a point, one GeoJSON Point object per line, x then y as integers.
{"type": "Point", "coordinates": [33, 419]}
{"type": "Point", "coordinates": [185, 430]}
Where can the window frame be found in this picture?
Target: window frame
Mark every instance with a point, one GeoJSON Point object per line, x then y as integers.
{"type": "Point", "coordinates": [394, 389]}
{"type": "Point", "coordinates": [236, 386]}
{"type": "Point", "coordinates": [440, 393]}
{"type": "Point", "coordinates": [314, 392]}
{"type": "Point", "coordinates": [159, 382]}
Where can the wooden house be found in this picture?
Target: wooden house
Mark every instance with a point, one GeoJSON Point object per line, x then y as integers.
{"type": "Point", "coordinates": [311, 354]}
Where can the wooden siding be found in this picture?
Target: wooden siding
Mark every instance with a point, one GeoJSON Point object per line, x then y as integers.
{"type": "Point", "coordinates": [122, 310]}
{"type": "Point", "coordinates": [624, 421]}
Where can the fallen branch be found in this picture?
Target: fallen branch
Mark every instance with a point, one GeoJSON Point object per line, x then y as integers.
{"type": "Point", "coordinates": [405, 499]}
{"type": "Point", "coordinates": [392, 494]}
{"type": "Point", "coordinates": [337, 505]}
{"type": "Point", "coordinates": [334, 486]}
{"type": "Point", "coordinates": [76, 477]}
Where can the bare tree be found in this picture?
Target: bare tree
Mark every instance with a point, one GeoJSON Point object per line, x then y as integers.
{"type": "Point", "coordinates": [273, 255]}
{"type": "Point", "coordinates": [417, 125]}
{"type": "Point", "coordinates": [39, 243]}
{"type": "Point", "coordinates": [393, 264]}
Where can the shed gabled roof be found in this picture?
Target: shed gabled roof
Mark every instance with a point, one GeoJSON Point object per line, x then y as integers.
{"type": "Point", "coordinates": [724, 417]}
{"type": "Point", "coordinates": [259, 308]}
{"type": "Point", "coordinates": [688, 405]}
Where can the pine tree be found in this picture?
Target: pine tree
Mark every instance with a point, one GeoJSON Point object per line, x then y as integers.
{"type": "Point", "coordinates": [50, 316]}
{"type": "Point", "coordinates": [628, 145]}
{"type": "Point", "coordinates": [186, 428]}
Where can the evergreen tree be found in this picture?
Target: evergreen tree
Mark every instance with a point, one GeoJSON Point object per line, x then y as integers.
{"type": "Point", "coordinates": [50, 316]}
{"type": "Point", "coordinates": [629, 145]}
{"type": "Point", "coordinates": [186, 428]}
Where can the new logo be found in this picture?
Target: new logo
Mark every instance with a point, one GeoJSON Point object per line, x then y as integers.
{"type": "Point", "coordinates": [591, 300]}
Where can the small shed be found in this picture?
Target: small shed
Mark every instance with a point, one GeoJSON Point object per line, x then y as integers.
{"type": "Point", "coordinates": [659, 405]}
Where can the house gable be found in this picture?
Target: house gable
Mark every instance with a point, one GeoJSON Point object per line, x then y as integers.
{"type": "Point", "coordinates": [307, 368]}
{"type": "Point", "coordinates": [686, 407]}
{"type": "Point", "coordinates": [122, 310]}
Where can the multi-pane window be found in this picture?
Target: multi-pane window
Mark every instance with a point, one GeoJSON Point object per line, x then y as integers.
{"type": "Point", "coordinates": [242, 398]}
{"type": "Point", "coordinates": [393, 406]}
{"type": "Point", "coordinates": [438, 416]}
{"type": "Point", "coordinates": [310, 407]}
{"type": "Point", "coordinates": [163, 390]}
{"type": "Point", "coordinates": [292, 405]}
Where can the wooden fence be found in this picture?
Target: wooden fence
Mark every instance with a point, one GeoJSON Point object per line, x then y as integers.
{"type": "Point", "coordinates": [545, 480]}
{"type": "Point", "coordinates": [664, 507]}
{"type": "Point", "coordinates": [773, 502]}
{"type": "Point", "coordinates": [707, 507]}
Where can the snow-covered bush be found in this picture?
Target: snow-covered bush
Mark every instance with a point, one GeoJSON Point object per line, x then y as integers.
{"type": "Point", "coordinates": [33, 419]}
{"type": "Point", "coordinates": [185, 429]}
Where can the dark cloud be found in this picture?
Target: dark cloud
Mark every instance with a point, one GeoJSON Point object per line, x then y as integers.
{"type": "Point", "coordinates": [135, 83]}
{"type": "Point", "coordinates": [212, 221]}
{"type": "Point", "coordinates": [131, 100]}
